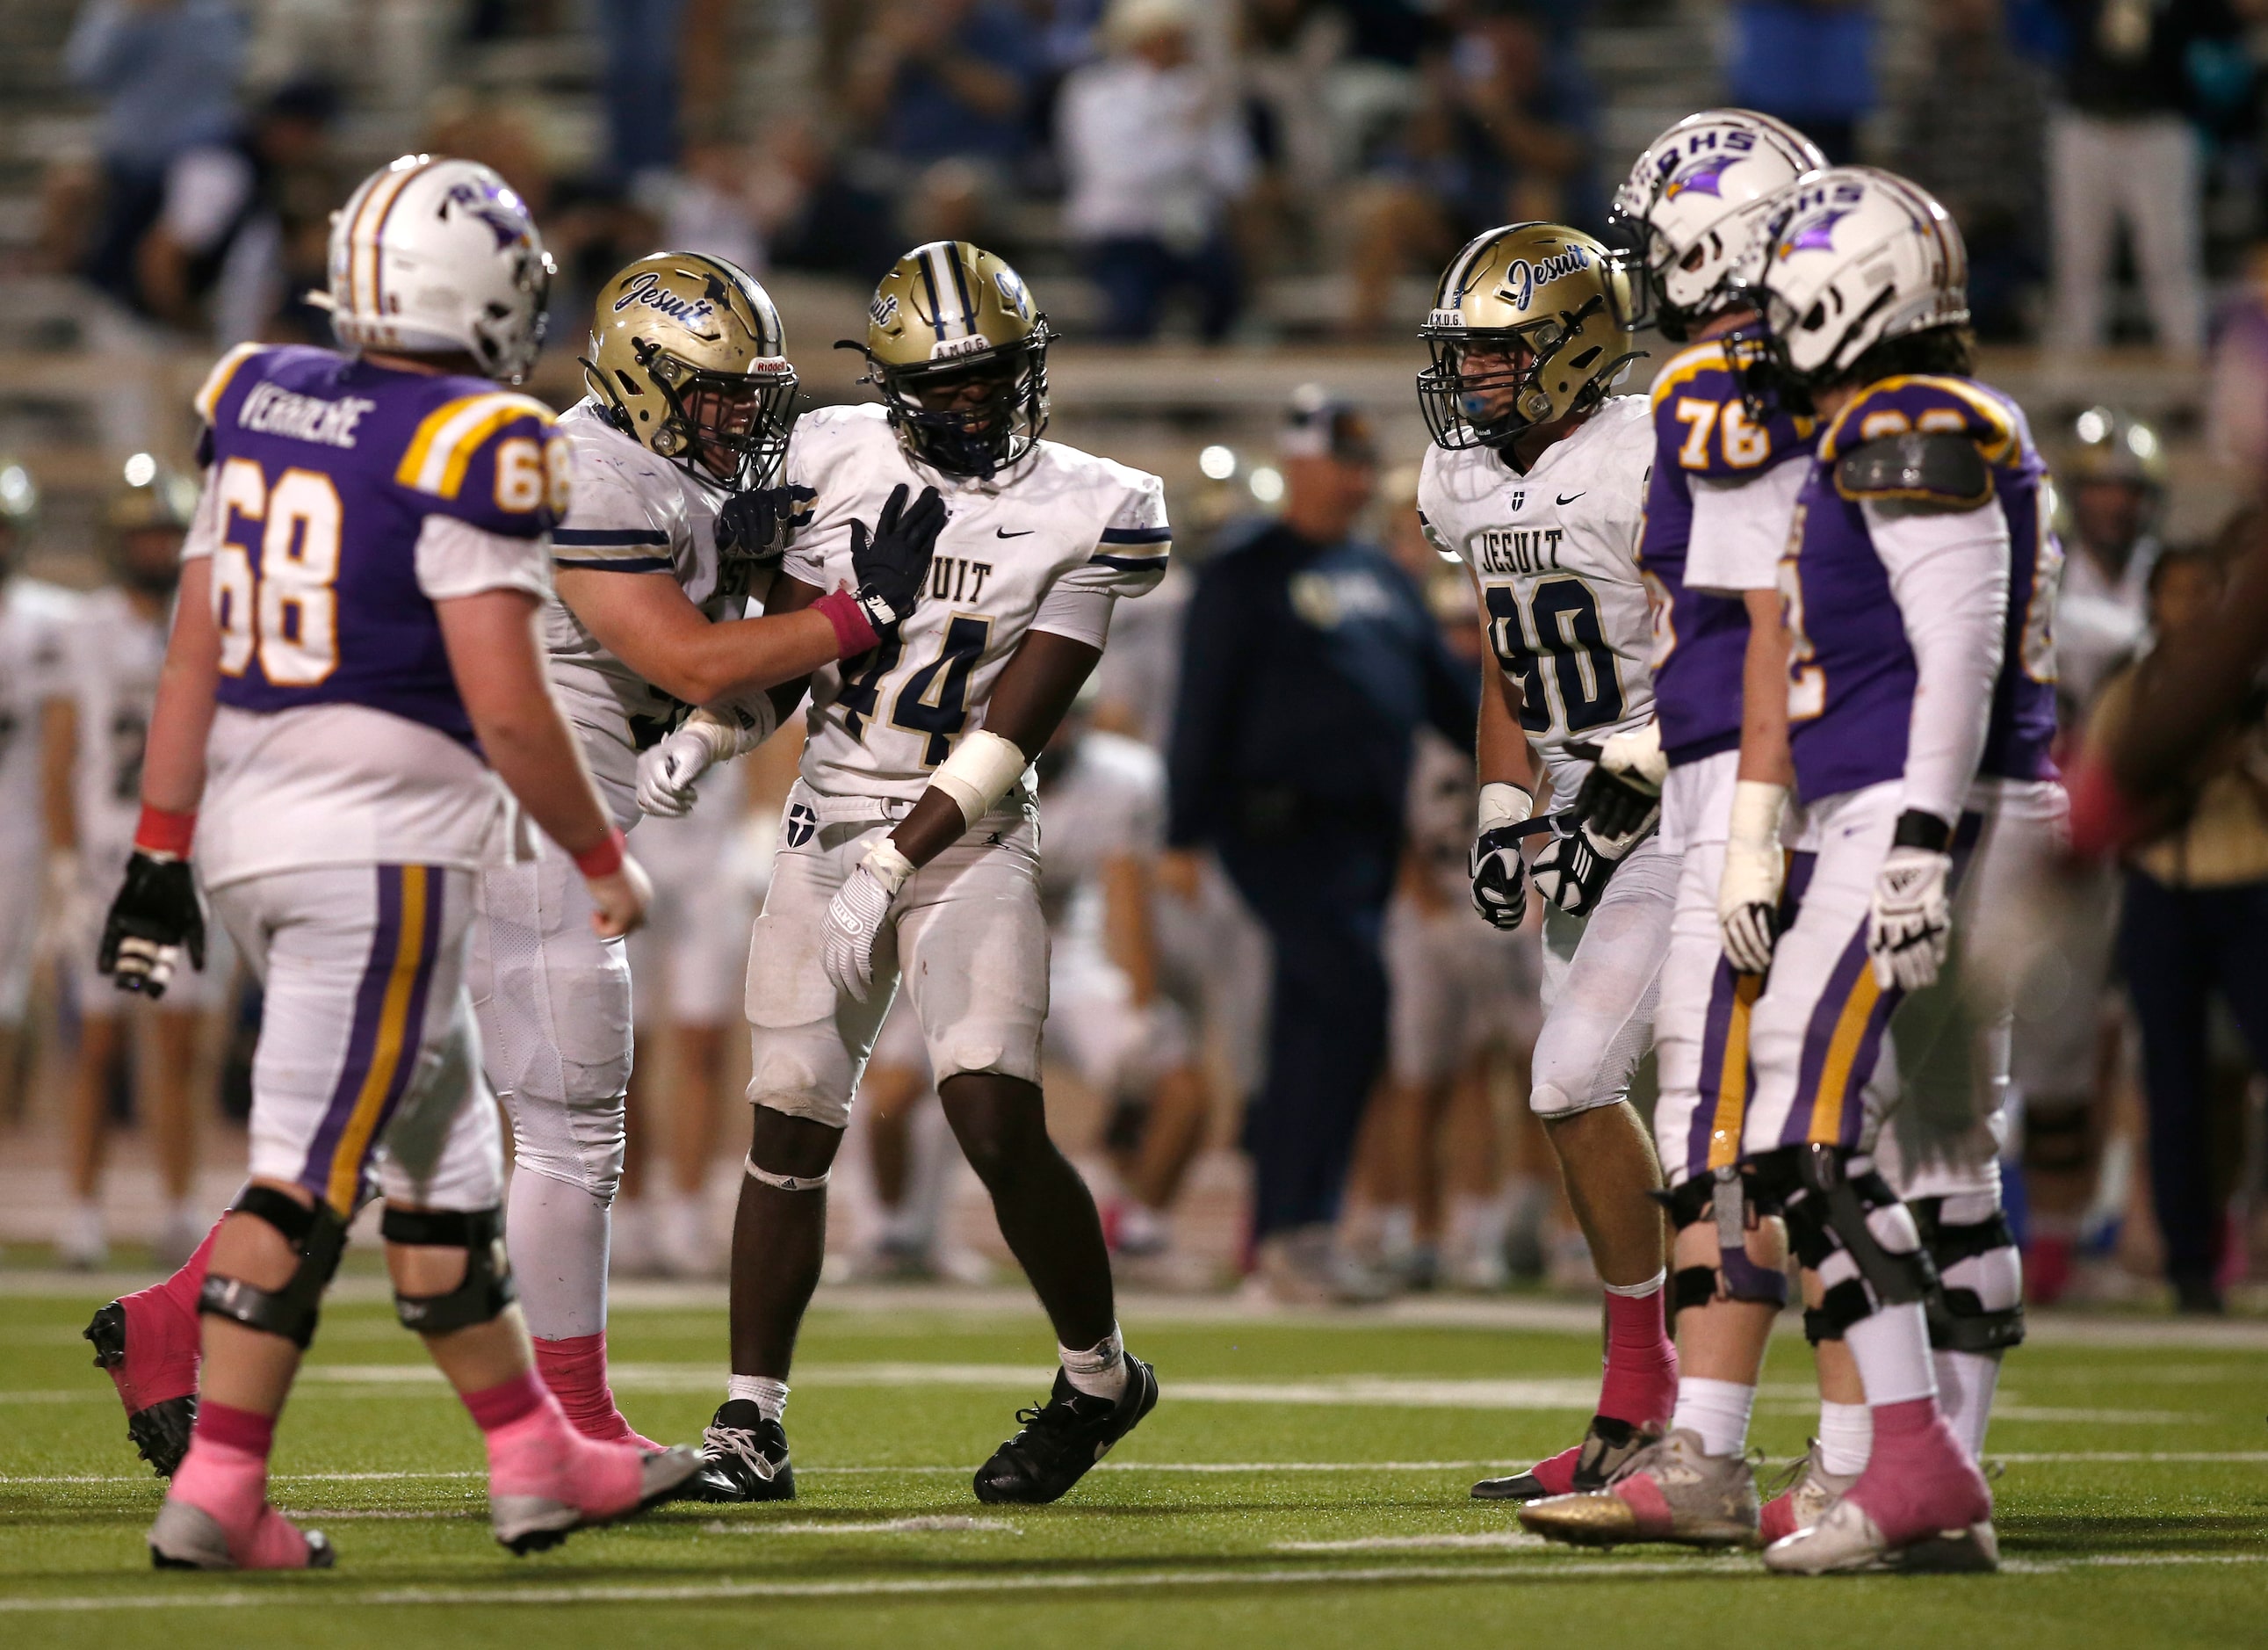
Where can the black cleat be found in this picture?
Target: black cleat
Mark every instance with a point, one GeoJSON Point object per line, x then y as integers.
{"type": "Point", "coordinates": [743, 1458]}
{"type": "Point", "coordinates": [1607, 1444]}
{"type": "Point", "coordinates": [159, 1431]}
{"type": "Point", "coordinates": [1060, 1441]}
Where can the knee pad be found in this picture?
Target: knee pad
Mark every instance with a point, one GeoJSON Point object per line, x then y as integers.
{"type": "Point", "coordinates": [320, 1237]}
{"type": "Point", "coordinates": [1978, 1305]}
{"type": "Point", "coordinates": [487, 1288]}
{"type": "Point", "coordinates": [578, 1139]}
{"type": "Point", "coordinates": [1721, 1200]}
{"type": "Point", "coordinates": [1847, 1224]}
{"type": "Point", "coordinates": [2060, 1140]}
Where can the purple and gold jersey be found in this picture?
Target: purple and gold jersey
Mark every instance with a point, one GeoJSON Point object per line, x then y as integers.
{"type": "Point", "coordinates": [1701, 430]}
{"type": "Point", "coordinates": [1851, 673]}
{"type": "Point", "coordinates": [333, 477]}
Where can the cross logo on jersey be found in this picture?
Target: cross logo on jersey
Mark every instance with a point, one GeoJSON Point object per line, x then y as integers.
{"type": "Point", "coordinates": [801, 822]}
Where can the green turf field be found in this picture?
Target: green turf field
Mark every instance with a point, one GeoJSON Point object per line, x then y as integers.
{"type": "Point", "coordinates": [1302, 1483]}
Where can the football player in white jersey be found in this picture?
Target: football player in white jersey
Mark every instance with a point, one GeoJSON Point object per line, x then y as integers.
{"type": "Point", "coordinates": [909, 852]}
{"type": "Point", "coordinates": [678, 519]}
{"type": "Point", "coordinates": [1536, 481]}
{"type": "Point", "coordinates": [34, 615]}
{"type": "Point", "coordinates": [99, 724]}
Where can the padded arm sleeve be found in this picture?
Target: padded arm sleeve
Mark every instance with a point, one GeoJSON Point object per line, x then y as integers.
{"type": "Point", "coordinates": [1740, 527]}
{"type": "Point", "coordinates": [1949, 573]}
{"type": "Point", "coordinates": [1076, 609]}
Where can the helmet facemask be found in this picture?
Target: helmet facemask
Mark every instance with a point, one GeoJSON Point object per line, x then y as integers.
{"type": "Point", "coordinates": [728, 428]}
{"type": "Point", "coordinates": [972, 415]}
{"type": "Point", "coordinates": [1488, 405]}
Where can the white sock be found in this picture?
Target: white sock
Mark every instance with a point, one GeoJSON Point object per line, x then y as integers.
{"type": "Point", "coordinates": [1100, 1371]}
{"type": "Point", "coordinates": [1398, 1230]}
{"type": "Point", "coordinates": [1717, 1409]}
{"type": "Point", "coordinates": [1846, 1437]}
{"type": "Point", "coordinates": [1477, 1225]}
{"type": "Point", "coordinates": [556, 1235]}
{"type": "Point", "coordinates": [1891, 1348]}
{"type": "Point", "coordinates": [769, 1396]}
{"type": "Point", "coordinates": [1965, 1383]}
{"type": "Point", "coordinates": [1143, 1230]}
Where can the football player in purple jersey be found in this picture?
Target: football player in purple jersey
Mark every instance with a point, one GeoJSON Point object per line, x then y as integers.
{"type": "Point", "coordinates": [352, 721]}
{"type": "Point", "coordinates": [1917, 592]}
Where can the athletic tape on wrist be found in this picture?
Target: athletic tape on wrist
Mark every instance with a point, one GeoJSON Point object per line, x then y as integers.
{"type": "Point", "coordinates": [980, 771]}
{"type": "Point", "coordinates": [604, 858]}
{"type": "Point", "coordinates": [163, 834]}
{"type": "Point", "coordinates": [1758, 808]}
{"type": "Point", "coordinates": [785, 1182]}
{"type": "Point", "coordinates": [1503, 803]}
{"type": "Point", "coordinates": [889, 866]}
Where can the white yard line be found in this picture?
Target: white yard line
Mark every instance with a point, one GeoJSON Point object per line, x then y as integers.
{"type": "Point", "coordinates": [947, 1524]}
{"type": "Point", "coordinates": [1496, 1541]}
{"type": "Point", "coordinates": [1584, 1567]}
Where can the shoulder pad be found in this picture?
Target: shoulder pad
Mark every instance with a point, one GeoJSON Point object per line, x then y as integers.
{"type": "Point", "coordinates": [207, 399]}
{"type": "Point", "coordinates": [1931, 405]}
{"type": "Point", "coordinates": [1929, 467]}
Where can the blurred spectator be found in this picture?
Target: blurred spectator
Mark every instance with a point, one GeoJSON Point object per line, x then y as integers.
{"type": "Point", "coordinates": [1288, 53]}
{"type": "Point", "coordinates": [1974, 133]}
{"type": "Point", "coordinates": [2122, 151]}
{"type": "Point", "coordinates": [943, 87]}
{"type": "Point", "coordinates": [1811, 63]}
{"type": "Point", "coordinates": [640, 43]}
{"type": "Point", "coordinates": [244, 229]}
{"type": "Point", "coordinates": [2237, 404]}
{"type": "Point", "coordinates": [1309, 662]}
{"type": "Point", "coordinates": [2196, 926]}
{"type": "Point", "coordinates": [1153, 157]}
{"type": "Point", "coordinates": [167, 73]}
{"type": "Point", "coordinates": [1496, 138]}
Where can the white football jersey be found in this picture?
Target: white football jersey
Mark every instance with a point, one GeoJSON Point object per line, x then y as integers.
{"type": "Point", "coordinates": [1554, 553]}
{"type": "Point", "coordinates": [630, 512]}
{"type": "Point", "coordinates": [35, 617]}
{"type": "Point", "coordinates": [112, 656]}
{"type": "Point", "coordinates": [1041, 546]}
{"type": "Point", "coordinates": [1108, 801]}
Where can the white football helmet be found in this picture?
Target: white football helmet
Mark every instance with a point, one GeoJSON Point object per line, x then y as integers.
{"type": "Point", "coordinates": [1692, 203]}
{"type": "Point", "coordinates": [432, 255]}
{"type": "Point", "coordinates": [1846, 259]}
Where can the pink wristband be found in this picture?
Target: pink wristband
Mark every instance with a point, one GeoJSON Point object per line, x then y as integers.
{"type": "Point", "coordinates": [160, 832]}
{"type": "Point", "coordinates": [853, 633]}
{"type": "Point", "coordinates": [602, 858]}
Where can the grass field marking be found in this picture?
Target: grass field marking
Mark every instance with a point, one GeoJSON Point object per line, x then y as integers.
{"type": "Point", "coordinates": [1500, 1540]}
{"type": "Point", "coordinates": [933, 1524]}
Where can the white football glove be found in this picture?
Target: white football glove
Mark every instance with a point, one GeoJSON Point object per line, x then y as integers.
{"type": "Point", "coordinates": [1911, 922]}
{"type": "Point", "coordinates": [1500, 874]}
{"type": "Point", "coordinates": [855, 915]}
{"type": "Point", "coordinates": [1749, 890]}
{"type": "Point", "coordinates": [667, 773]}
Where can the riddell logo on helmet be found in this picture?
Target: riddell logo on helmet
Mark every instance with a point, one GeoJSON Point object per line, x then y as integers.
{"type": "Point", "coordinates": [1521, 277]}
{"type": "Point", "coordinates": [646, 288]}
{"type": "Point", "coordinates": [953, 349]}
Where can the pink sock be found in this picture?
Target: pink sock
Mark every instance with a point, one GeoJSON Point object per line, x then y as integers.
{"type": "Point", "coordinates": [1641, 1381]}
{"type": "Point", "coordinates": [181, 1291]}
{"type": "Point", "coordinates": [1919, 1479]}
{"type": "Point", "coordinates": [575, 1369]}
{"type": "Point", "coordinates": [508, 1401]}
{"type": "Point", "coordinates": [225, 1472]}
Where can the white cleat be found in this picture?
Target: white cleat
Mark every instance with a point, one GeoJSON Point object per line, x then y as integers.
{"type": "Point", "coordinates": [1845, 1539]}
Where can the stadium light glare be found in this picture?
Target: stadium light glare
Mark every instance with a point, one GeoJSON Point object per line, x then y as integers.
{"type": "Point", "coordinates": [1217, 463]}
{"type": "Point", "coordinates": [1267, 484]}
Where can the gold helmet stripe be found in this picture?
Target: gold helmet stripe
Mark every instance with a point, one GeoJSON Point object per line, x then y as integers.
{"type": "Point", "coordinates": [365, 275]}
{"type": "Point", "coordinates": [940, 264]}
{"type": "Point", "coordinates": [1453, 289]}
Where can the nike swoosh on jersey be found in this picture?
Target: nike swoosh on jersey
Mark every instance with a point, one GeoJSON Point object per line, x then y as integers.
{"type": "Point", "coordinates": [1003, 533]}
{"type": "Point", "coordinates": [1570, 498]}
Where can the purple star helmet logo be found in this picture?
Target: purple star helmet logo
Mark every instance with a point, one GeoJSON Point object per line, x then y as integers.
{"type": "Point", "coordinates": [1815, 233]}
{"type": "Point", "coordinates": [1704, 176]}
{"type": "Point", "coordinates": [499, 209]}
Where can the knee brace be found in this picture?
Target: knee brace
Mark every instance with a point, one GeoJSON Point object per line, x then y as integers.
{"type": "Point", "coordinates": [1722, 1199]}
{"type": "Point", "coordinates": [487, 1288]}
{"type": "Point", "coordinates": [1978, 1305]}
{"type": "Point", "coordinates": [2060, 1140]}
{"type": "Point", "coordinates": [1846, 1223]}
{"type": "Point", "coordinates": [319, 1235]}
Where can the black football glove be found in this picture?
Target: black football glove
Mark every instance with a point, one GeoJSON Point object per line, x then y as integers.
{"type": "Point", "coordinates": [1620, 800]}
{"type": "Point", "coordinates": [1500, 875]}
{"type": "Point", "coordinates": [1572, 868]}
{"type": "Point", "coordinates": [154, 919]}
{"type": "Point", "coordinates": [892, 563]}
{"type": "Point", "coordinates": [754, 527]}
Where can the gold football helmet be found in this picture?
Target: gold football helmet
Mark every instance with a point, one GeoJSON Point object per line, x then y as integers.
{"type": "Point", "coordinates": [2109, 444]}
{"type": "Point", "coordinates": [1530, 325]}
{"type": "Point", "coordinates": [688, 355]}
{"type": "Point", "coordinates": [960, 355]}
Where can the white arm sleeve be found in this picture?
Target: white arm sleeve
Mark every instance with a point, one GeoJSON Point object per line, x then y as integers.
{"type": "Point", "coordinates": [455, 558]}
{"type": "Point", "coordinates": [1077, 610]}
{"type": "Point", "coordinates": [1949, 573]}
{"type": "Point", "coordinates": [203, 536]}
{"type": "Point", "coordinates": [1740, 530]}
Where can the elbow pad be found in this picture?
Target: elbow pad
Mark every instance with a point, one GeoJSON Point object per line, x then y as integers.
{"type": "Point", "coordinates": [982, 769]}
